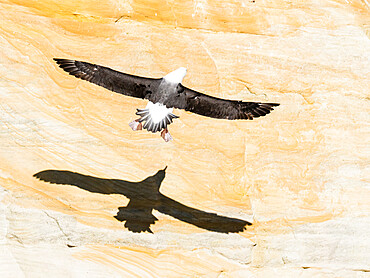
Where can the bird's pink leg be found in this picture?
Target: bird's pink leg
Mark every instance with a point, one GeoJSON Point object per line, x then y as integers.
{"type": "Point", "coordinates": [136, 125]}
{"type": "Point", "coordinates": [166, 135]}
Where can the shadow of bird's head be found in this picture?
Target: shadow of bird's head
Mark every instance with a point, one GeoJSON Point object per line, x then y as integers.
{"type": "Point", "coordinates": [154, 182]}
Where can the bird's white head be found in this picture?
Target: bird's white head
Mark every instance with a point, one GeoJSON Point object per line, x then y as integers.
{"type": "Point", "coordinates": [176, 76]}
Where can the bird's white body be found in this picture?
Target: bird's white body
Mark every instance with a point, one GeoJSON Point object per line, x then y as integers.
{"type": "Point", "coordinates": [156, 115]}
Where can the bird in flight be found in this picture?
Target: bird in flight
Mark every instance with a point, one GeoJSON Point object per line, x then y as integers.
{"type": "Point", "coordinates": [164, 94]}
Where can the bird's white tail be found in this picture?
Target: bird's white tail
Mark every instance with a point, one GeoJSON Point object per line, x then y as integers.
{"type": "Point", "coordinates": [154, 125]}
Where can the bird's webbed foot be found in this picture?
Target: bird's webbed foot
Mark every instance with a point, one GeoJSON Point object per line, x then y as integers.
{"type": "Point", "coordinates": [136, 125]}
{"type": "Point", "coordinates": [166, 135]}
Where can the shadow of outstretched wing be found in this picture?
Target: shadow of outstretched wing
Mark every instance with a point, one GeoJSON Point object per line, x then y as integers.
{"type": "Point", "coordinates": [89, 183]}
{"type": "Point", "coordinates": [202, 219]}
{"type": "Point", "coordinates": [144, 197]}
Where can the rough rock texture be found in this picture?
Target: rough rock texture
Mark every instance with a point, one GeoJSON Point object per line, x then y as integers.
{"type": "Point", "coordinates": [300, 174]}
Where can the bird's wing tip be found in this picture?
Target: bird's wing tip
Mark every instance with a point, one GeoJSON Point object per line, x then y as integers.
{"type": "Point", "coordinates": [62, 60]}
{"type": "Point", "coordinates": [271, 104]}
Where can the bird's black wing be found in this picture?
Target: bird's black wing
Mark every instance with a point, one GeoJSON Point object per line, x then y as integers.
{"type": "Point", "coordinates": [126, 84]}
{"type": "Point", "coordinates": [213, 107]}
{"type": "Point", "coordinates": [202, 219]}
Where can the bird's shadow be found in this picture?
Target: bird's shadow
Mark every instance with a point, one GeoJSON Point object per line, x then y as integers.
{"type": "Point", "coordinates": [144, 197]}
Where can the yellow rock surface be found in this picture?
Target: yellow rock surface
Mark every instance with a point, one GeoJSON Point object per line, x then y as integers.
{"type": "Point", "coordinates": [300, 174]}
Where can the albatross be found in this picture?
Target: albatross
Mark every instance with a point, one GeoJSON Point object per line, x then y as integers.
{"type": "Point", "coordinates": [163, 95]}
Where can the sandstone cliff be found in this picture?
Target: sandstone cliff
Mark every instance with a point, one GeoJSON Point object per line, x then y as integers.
{"type": "Point", "coordinates": [300, 174]}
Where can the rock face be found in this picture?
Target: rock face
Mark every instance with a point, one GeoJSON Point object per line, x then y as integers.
{"type": "Point", "coordinates": [82, 195]}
